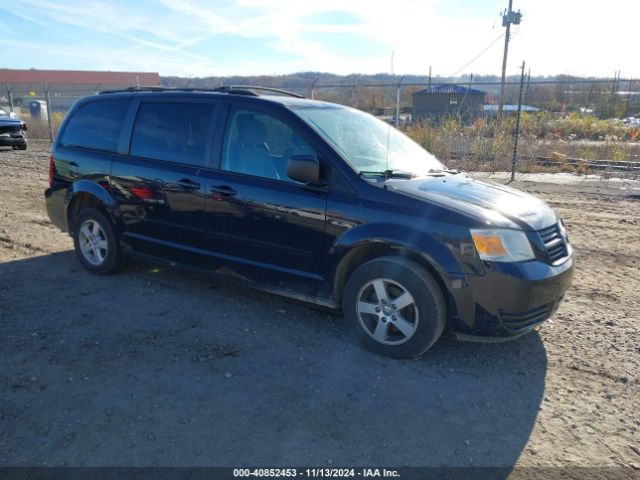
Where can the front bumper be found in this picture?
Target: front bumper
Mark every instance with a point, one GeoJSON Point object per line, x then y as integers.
{"type": "Point", "coordinates": [13, 140]}
{"type": "Point", "coordinates": [510, 298]}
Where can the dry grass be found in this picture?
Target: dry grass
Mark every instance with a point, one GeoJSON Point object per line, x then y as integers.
{"type": "Point", "coordinates": [486, 145]}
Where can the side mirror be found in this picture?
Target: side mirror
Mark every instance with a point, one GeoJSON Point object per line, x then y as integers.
{"type": "Point", "coordinates": [303, 168]}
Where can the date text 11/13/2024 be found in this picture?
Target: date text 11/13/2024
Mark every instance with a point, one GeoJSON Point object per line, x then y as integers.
{"type": "Point", "coordinates": [316, 472]}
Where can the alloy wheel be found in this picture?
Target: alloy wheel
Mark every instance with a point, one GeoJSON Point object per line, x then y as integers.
{"type": "Point", "coordinates": [387, 311]}
{"type": "Point", "coordinates": [93, 242]}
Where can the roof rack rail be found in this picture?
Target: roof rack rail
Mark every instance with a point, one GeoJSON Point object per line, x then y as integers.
{"type": "Point", "coordinates": [232, 89]}
{"type": "Point", "coordinates": [248, 90]}
{"type": "Point", "coordinates": [155, 88]}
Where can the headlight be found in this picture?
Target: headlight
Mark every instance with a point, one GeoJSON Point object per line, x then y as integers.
{"type": "Point", "coordinates": [501, 245]}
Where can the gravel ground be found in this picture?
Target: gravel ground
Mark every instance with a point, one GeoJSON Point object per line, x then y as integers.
{"type": "Point", "coordinates": [156, 367]}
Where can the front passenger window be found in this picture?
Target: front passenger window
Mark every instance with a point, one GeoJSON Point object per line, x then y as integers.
{"type": "Point", "coordinates": [260, 145]}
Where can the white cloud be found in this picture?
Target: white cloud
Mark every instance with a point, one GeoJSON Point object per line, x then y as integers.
{"type": "Point", "coordinates": [579, 37]}
{"type": "Point", "coordinates": [568, 36]}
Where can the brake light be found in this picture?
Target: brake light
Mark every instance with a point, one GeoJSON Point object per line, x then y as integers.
{"type": "Point", "coordinates": [51, 171]}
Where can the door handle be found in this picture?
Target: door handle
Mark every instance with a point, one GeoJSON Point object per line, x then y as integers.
{"type": "Point", "coordinates": [224, 190]}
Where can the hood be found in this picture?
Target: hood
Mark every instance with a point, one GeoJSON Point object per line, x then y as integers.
{"type": "Point", "coordinates": [494, 204]}
{"type": "Point", "coordinates": [10, 121]}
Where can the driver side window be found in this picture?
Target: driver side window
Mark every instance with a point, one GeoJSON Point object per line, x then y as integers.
{"type": "Point", "coordinates": [259, 144]}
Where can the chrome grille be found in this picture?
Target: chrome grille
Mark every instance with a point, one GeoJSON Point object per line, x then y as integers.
{"type": "Point", "coordinates": [554, 243]}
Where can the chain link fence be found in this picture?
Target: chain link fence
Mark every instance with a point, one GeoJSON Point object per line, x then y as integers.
{"type": "Point", "coordinates": [588, 127]}
{"type": "Point", "coordinates": [585, 127]}
{"type": "Point", "coordinates": [42, 106]}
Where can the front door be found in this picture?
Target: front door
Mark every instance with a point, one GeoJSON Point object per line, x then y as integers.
{"type": "Point", "coordinates": [269, 227]}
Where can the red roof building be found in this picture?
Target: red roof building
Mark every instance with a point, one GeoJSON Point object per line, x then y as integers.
{"type": "Point", "coordinates": [65, 86]}
{"type": "Point", "coordinates": [77, 77]}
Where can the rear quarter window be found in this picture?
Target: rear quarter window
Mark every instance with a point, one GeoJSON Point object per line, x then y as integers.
{"type": "Point", "coordinates": [96, 125]}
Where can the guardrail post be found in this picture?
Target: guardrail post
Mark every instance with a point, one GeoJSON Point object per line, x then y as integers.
{"type": "Point", "coordinates": [10, 97]}
{"type": "Point", "coordinates": [313, 88]}
{"type": "Point", "coordinates": [398, 102]}
{"type": "Point", "coordinates": [516, 132]}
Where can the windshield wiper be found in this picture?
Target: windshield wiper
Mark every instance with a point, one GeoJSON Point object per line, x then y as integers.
{"type": "Point", "coordinates": [389, 173]}
{"type": "Point", "coordinates": [443, 170]}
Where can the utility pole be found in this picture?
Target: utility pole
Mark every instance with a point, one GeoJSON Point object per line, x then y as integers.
{"type": "Point", "coordinates": [429, 76]}
{"type": "Point", "coordinates": [392, 62]}
{"type": "Point", "coordinates": [508, 17]}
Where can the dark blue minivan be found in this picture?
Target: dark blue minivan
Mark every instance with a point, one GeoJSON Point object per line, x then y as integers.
{"type": "Point", "coordinates": [308, 199]}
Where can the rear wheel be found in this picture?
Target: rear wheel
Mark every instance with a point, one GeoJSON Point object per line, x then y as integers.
{"type": "Point", "coordinates": [394, 307]}
{"type": "Point", "coordinates": [96, 243]}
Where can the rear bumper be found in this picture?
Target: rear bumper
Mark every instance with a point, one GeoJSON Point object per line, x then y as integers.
{"type": "Point", "coordinates": [510, 298]}
{"type": "Point", "coordinates": [55, 201]}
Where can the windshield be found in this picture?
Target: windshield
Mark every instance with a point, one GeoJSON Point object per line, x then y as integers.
{"type": "Point", "coordinates": [3, 113]}
{"type": "Point", "coordinates": [368, 144]}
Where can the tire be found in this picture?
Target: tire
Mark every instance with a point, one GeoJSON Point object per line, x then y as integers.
{"type": "Point", "coordinates": [96, 243]}
{"type": "Point", "coordinates": [375, 318]}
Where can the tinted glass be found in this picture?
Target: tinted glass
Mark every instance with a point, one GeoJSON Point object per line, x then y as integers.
{"type": "Point", "coordinates": [96, 125]}
{"type": "Point", "coordinates": [172, 131]}
{"type": "Point", "coordinates": [260, 145]}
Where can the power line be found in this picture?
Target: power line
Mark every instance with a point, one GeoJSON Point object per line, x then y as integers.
{"type": "Point", "coordinates": [477, 56]}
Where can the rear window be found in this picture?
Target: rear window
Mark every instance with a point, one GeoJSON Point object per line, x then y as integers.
{"type": "Point", "coordinates": [172, 131]}
{"type": "Point", "coordinates": [96, 125]}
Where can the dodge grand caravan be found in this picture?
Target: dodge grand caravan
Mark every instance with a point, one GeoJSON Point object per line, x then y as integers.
{"type": "Point", "coordinates": [309, 199]}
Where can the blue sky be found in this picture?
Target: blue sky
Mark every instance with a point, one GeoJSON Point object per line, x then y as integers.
{"type": "Point", "coordinates": [254, 37]}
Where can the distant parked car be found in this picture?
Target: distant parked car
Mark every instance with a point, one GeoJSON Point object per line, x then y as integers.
{"type": "Point", "coordinates": [12, 131]}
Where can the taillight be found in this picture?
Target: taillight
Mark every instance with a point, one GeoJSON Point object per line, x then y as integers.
{"type": "Point", "coordinates": [51, 171]}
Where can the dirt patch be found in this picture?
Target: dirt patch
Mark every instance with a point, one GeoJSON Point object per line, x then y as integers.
{"type": "Point", "coordinates": [154, 367]}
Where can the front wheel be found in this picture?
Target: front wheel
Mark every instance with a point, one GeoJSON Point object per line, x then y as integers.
{"type": "Point", "coordinates": [394, 307]}
{"type": "Point", "coordinates": [96, 243]}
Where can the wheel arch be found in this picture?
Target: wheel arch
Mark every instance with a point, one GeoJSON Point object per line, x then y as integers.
{"type": "Point", "coordinates": [367, 250]}
{"type": "Point", "coordinates": [88, 194]}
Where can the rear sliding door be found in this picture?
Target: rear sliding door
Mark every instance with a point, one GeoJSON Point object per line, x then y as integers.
{"type": "Point", "coordinates": [159, 183]}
